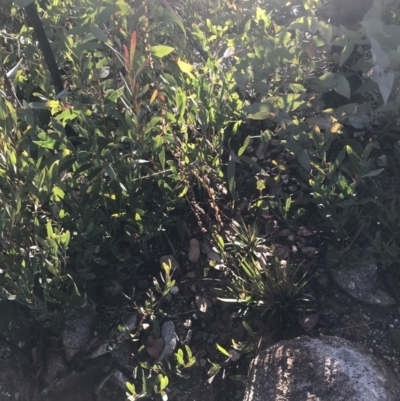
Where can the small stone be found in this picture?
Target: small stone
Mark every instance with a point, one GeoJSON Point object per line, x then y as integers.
{"type": "Point", "coordinates": [174, 290]}
{"type": "Point", "coordinates": [304, 232]}
{"type": "Point", "coordinates": [205, 248]}
{"type": "Point", "coordinates": [235, 356]}
{"type": "Point", "coordinates": [168, 333]}
{"type": "Point", "coordinates": [284, 233]}
{"type": "Point", "coordinates": [194, 250]}
{"type": "Point", "coordinates": [309, 251]}
{"type": "Point", "coordinates": [309, 322]}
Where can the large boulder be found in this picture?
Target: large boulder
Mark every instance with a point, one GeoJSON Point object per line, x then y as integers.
{"type": "Point", "coordinates": [320, 369]}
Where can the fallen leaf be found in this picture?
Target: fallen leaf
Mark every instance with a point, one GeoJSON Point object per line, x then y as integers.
{"type": "Point", "coordinates": [154, 346]}
{"type": "Point", "coordinates": [194, 250]}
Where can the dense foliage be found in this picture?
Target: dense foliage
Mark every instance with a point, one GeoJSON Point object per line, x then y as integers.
{"type": "Point", "coordinates": [163, 107]}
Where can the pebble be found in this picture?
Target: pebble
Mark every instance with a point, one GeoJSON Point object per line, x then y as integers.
{"type": "Point", "coordinates": [174, 290]}
{"type": "Point", "coordinates": [169, 335]}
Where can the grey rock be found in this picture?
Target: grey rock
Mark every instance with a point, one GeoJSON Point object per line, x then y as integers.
{"type": "Point", "coordinates": [119, 379]}
{"type": "Point", "coordinates": [77, 386]}
{"type": "Point", "coordinates": [168, 333]}
{"type": "Point", "coordinates": [129, 324]}
{"type": "Point", "coordinates": [55, 369]}
{"type": "Point", "coordinates": [78, 328]}
{"type": "Point", "coordinates": [16, 378]}
{"type": "Point", "coordinates": [121, 355]}
{"type": "Point", "coordinates": [359, 278]}
{"type": "Point", "coordinates": [394, 335]}
{"type": "Point", "coordinates": [361, 284]}
{"type": "Point", "coordinates": [319, 369]}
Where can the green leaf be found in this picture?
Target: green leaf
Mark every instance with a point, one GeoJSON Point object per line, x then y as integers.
{"type": "Point", "coordinates": [223, 350]}
{"type": "Point", "coordinates": [231, 177]}
{"type": "Point", "coordinates": [58, 192]}
{"type": "Point", "coordinates": [346, 53]}
{"type": "Point", "coordinates": [372, 173]}
{"type": "Point", "coordinates": [98, 33]}
{"type": "Point", "coordinates": [245, 145]}
{"type": "Point", "coordinates": [110, 172]}
{"type": "Point", "coordinates": [293, 146]}
{"type": "Point", "coordinates": [50, 144]}
{"type": "Point", "coordinates": [179, 359]}
{"type": "Point", "coordinates": [172, 16]}
{"type": "Point", "coordinates": [188, 351]}
{"type": "Point", "coordinates": [342, 87]}
{"type": "Point", "coordinates": [161, 51]}
{"type": "Point", "coordinates": [163, 382]}
{"type": "Point", "coordinates": [131, 388]}
{"type": "Point", "coordinates": [161, 156]}
{"type": "Point", "coordinates": [23, 3]}
{"type": "Point", "coordinates": [327, 81]}
{"type": "Point", "coordinates": [122, 7]}
{"type": "Point", "coordinates": [304, 160]}
{"type": "Point", "coordinates": [248, 328]}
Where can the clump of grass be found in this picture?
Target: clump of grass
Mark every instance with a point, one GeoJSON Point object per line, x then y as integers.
{"type": "Point", "coordinates": [259, 279]}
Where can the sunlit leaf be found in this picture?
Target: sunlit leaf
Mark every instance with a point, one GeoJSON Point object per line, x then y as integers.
{"type": "Point", "coordinates": [223, 351]}
{"type": "Point", "coordinates": [185, 67]}
{"type": "Point", "coordinates": [161, 50]}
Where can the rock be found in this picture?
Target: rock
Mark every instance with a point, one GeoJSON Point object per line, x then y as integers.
{"type": "Point", "coordinates": [155, 346]}
{"type": "Point", "coordinates": [174, 290]}
{"type": "Point", "coordinates": [319, 369]}
{"type": "Point", "coordinates": [362, 284]}
{"type": "Point", "coordinates": [78, 385]}
{"type": "Point", "coordinates": [168, 333]}
{"type": "Point", "coordinates": [16, 378]}
{"type": "Point", "coordinates": [78, 328]}
{"type": "Point", "coordinates": [359, 279]}
{"type": "Point", "coordinates": [55, 369]}
{"type": "Point", "coordinates": [309, 251]}
{"type": "Point", "coordinates": [119, 379]}
{"type": "Point", "coordinates": [194, 250]}
{"type": "Point", "coordinates": [308, 322]}
{"type": "Point", "coordinates": [129, 324]}
{"type": "Point", "coordinates": [394, 335]}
